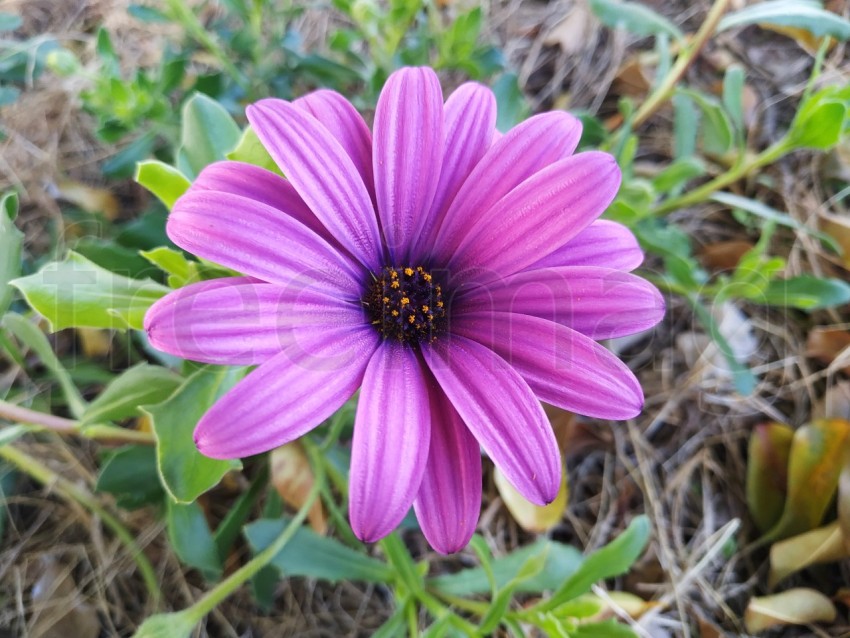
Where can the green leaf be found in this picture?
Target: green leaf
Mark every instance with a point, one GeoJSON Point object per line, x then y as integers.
{"type": "Point", "coordinates": [807, 292]}
{"type": "Point", "coordinates": [185, 472]}
{"type": "Point", "coordinates": [800, 14]}
{"type": "Point", "coordinates": [633, 17]}
{"type": "Point", "coordinates": [76, 293]}
{"type": "Point", "coordinates": [612, 560]}
{"type": "Point", "coordinates": [9, 95]}
{"type": "Point", "coordinates": [9, 21]}
{"type": "Point", "coordinates": [677, 174]}
{"type": "Point", "coordinates": [821, 120]}
{"type": "Point", "coordinates": [11, 241]}
{"type": "Point", "coordinates": [512, 105]}
{"type": "Point", "coordinates": [715, 131]}
{"type": "Point", "coordinates": [733, 95]}
{"type": "Point", "coordinates": [314, 556]}
{"type": "Point", "coordinates": [562, 562]}
{"type": "Point", "coordinates": [209, 133]}
{"type": "Point", "coordinates": [191, 539]}
{"type": "Point", "coordinates": [174, 625]}
{"type": "Point", "coordinates": [140, 385]}
{"type": "Point", "coordinates": [685, 126]}
{"type": "Point", "coordinates": [767, 213]}
{"type": "Point", "coordinates": [29, 334]}
{"type": "Point", "coordinates": [123, 163]}
{"type": "Point", "coordinates": [251, 151]}
{"type": "Point", "coordinates": [164, 181]}
{"type": "Point", "coordinates": [180, 270]}
{"type": "Point", "coordinates": [130, 475]}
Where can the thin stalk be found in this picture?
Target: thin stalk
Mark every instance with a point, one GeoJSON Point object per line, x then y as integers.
{"type": "Point", "coordinates": [740, 170]}
{"type": "Point", "coordinates": [668, 86]}
{"type": "Point", "coordinates": [230, 584]}
{"type": "Point", "coordinates": [61, 425]}
{"type": "Point", "coordinates": [42, 474]}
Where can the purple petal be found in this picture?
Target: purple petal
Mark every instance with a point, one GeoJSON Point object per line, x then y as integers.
{"type": "Point", "coordinates": [392, 430]}
{"type": "Point", "coordinates": [563, 367]}
{"type": "Point", "coordinates": [601, 303]}
{"type": "Point", "coordinates": [236, 321]}
{"type": "Point", "coordinates": [258, 240]}
{"type": "Point", "coordinates": [288, 395]}
{"type": "Point", "coordinates": [470, 115]}
{"type": "Point", "coordinates": [408, 148]}
{"type": "Point", "coordinates": [254, 182]}
{"type": "Point", "coordinates": [322, 173]}
{"type": "Point", "coordinates": [524, 151]}
{"type": "Point", "coordinates": [603, 243]}
{"type": "Point", "coordinates": [346, 126]}
{"type": "Point", "coordinates": [502, 413]}
{"type": "Point", "coordinates": [538, 216]}
{"type": "Point", "coordinates": [449, 498]}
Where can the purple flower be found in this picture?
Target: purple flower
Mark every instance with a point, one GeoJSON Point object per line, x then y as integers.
{"type": "Point", "coordinates": [456, 276]}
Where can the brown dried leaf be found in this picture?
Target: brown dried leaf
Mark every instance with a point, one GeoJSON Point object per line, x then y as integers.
{"type": "Point", "coordinates": [793, 607]}
{"type": "Point", "coordinates": [95, 342]}
{"type": "Point", "coordinates": [837, 227]}
{"type": "Point", "coordinates": [90, 199]}
{"type": "Point", "coordinates": [575, 31]}
{"type": "Point", "coordinates": [58, 608]}
{"type": "Point", "coordinates": [632, 79]}
{"type": "Point", "coordinates": [725, 255]}
{"type": "Point", "coordinates": [822, 545]}
{"type": "Point", "coordinates": [531, 517]}
{"type": "Point", "coordinates": [293, 478]}
{"type": "Point", "coordinates": [825, 344]}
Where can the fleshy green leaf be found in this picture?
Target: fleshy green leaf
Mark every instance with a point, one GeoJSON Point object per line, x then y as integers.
{"type": "Point", "coordinates": [140, 385]}
{"type": "Point", "coordinates": [821, 120]}
{"type": "Point", "coordinates": [9, 21]}
{"type": "Point", "coordinates": [185, 472]}
{"type": "Point", "coordinates": [164, 181]}
{"type": "Point", "coordinates": [562, 562]}
{"type": "Point", "coordinates": [76, 293]}
{"type": "Point", "coordinates": [607, 629]}
{"type": "Point", "coordinates": [314, 556]}
{"type": "Point", "coordinates": [130, 475]}
{"type": "Point", "coordinates": [512, 105]}
{"type": "Point", "coordinates": [209, 133]}
{"type": "Point", "coordinates": [767, 472]}
{"type": "Point", "coordinates": [801, 14]}
{"type": "Point", "coordinates": [807, 292]}
{"type": "Point", "coordinates": [11, 241]}
{"type": "Point", "coordinates": [815, 463]}
{"type": "Point", "coordinates": [798, 606]}
{"type": "Point", "coordinates": [633, 17]}
{"type": "Point", "coordinates": [191, 539]}
{"type": "Point", "coordinates": [715, 131]}
{"type": "Point", "coordinates": [251, 151]}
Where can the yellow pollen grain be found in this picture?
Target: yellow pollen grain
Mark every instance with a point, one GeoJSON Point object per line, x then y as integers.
{"type": "Point", "coordinates": [439, 304]}
{"type": "Point", "coordinates": [393, 274]}
{"type": "Point", "coordinates": [386, 300]}
{"type": "Point", "coordinates": [395, 284]}
{"type": "Point", "coordinates": [426, 277]}
{"type": "Point", "coordinates": [411, 319]}
{"type": "Point", "coordinates": [408, 272]}
{"type": "Point", "coordinates": [395, 313]}
{"type": "Point", "coordinates": [424, 308]}
{"type": "Point", "coordinates": [405, 301]}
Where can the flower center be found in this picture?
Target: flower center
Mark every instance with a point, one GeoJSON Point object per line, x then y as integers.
{"type": "Point", "coordinates": [406, 304]}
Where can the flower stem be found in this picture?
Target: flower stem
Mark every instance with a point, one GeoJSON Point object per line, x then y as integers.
{"type": "Point", "coordinates": [61, 425]}
{"type": "Point", "coordinates": [741, 169]}
{"type": "Point", "coordinates": [42, 474]}
{"type": "Point", "coordinates": [668, 86]}
{"type": "Point", "coordinates": [230, 584]}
